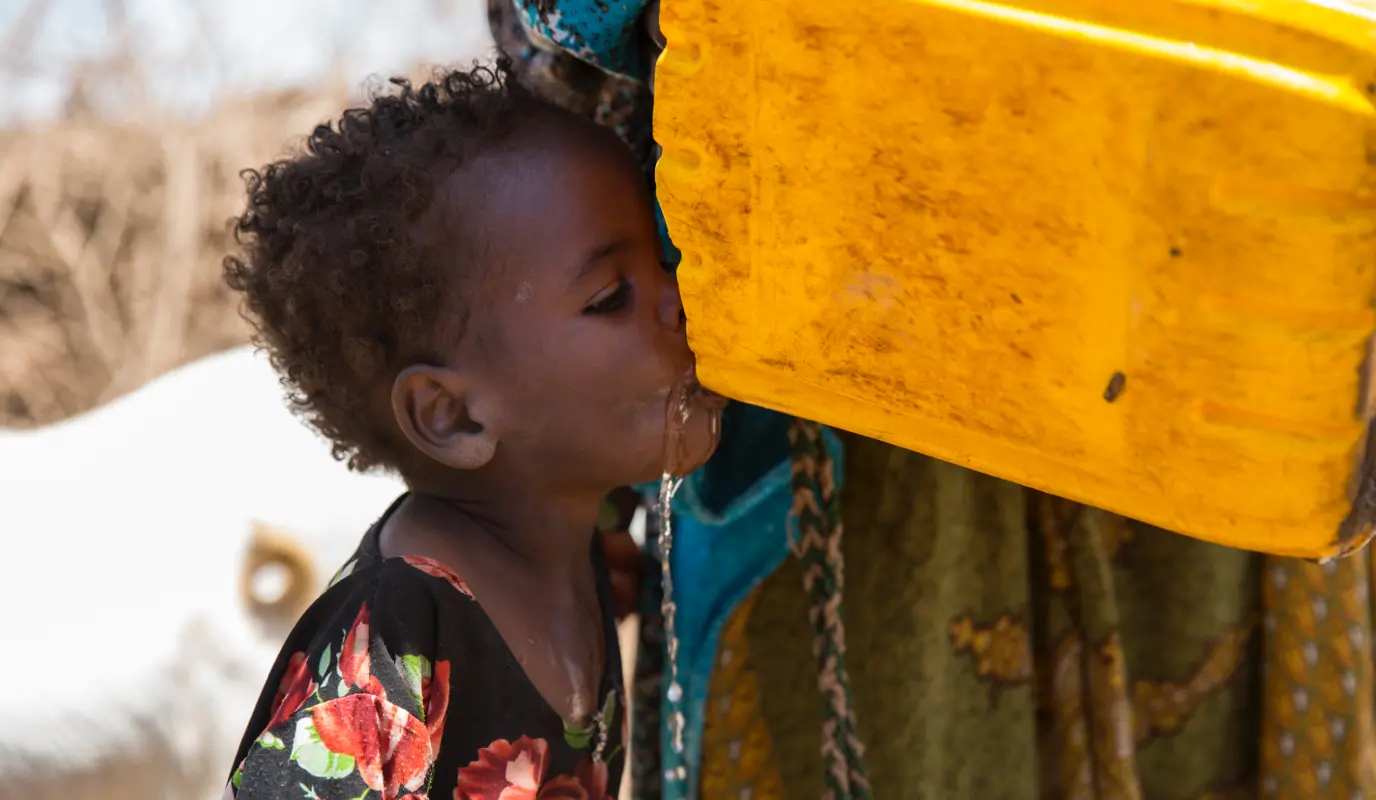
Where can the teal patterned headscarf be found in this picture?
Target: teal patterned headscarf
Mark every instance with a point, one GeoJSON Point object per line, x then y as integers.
{"type": "Point", "coordinates": [604, 33]}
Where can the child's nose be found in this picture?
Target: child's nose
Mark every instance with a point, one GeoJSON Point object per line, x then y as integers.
{"type": "Point", "coordinates": [671, 313]}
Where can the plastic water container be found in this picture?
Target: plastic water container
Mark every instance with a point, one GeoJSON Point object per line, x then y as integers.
{"type": "Point", "coordinates": [1117, 250]}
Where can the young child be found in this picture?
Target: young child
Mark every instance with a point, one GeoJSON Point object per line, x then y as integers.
{"type": "Point", "coordinates": [463, 284]}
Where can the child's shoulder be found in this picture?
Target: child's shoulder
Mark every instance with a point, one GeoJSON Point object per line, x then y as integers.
{"type": "Point", "coordinates": [367, 570]}
{"type": "Point", "coordinates": [399, 602]}
{"type": "Point", "coordinates": [377, 647]}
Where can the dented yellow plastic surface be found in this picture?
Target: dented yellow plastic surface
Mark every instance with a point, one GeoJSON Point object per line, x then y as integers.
{"type": "Point", "coordinates": [950, 224]}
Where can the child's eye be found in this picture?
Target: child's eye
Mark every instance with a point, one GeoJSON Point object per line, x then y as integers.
{"type": "Point", "coordinates": [616, 300]}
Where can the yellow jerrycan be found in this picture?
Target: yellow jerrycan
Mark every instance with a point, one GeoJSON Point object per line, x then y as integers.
{"type": "Point", "coordinates": [1121, 251]}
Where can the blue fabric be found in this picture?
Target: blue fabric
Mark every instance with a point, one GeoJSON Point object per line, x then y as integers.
{"type": "Point", "coordinates": [732, 528]}
{"type": "Point", "coordinates": [670, 253]}
{"type": "Point", "coordinates": [604, 33]}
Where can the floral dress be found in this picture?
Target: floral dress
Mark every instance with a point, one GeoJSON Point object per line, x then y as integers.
{"type": "Point", "coordinates": [396, 684]}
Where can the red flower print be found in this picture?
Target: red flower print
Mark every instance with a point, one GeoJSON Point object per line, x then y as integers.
{"type": "Point", "coordinates": [592, 776]}
{"type": "Point", "coordinates": [589, 782]}
{"type": "Point", "coordinates": [296, 685]}
{"type": "Point", "coordinates": [564, 787]}
{"type": "Point", "coordinates": [355, 663]}
{"type": "Point", "coordinates": [390, 748]}
{"type": "Point", "coordinates": [505, 771]}
{"type": "Point", "coordinates": [434, 693]}
{"type": "Point", "coordinates": [435, 569]}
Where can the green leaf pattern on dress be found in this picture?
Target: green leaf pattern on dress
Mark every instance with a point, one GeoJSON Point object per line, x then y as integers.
{"type": "Point", "coordinates": [416, 670]}
{"type": "Point", "coordinates": [314, 757]}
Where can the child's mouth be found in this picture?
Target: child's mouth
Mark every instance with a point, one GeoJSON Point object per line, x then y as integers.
{"type": "Point", "coordinates": [700, 395]}
{"type": "Point", "coordinates": [688, 399]}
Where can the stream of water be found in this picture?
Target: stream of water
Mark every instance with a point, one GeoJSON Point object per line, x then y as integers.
{"type": "Point", "coordinates": [684, 400]}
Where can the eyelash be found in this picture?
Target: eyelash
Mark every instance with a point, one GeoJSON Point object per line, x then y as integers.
{"type": "Point", "coordinates": [613, 302]}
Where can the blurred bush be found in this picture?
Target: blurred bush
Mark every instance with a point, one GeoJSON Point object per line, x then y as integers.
{"type": "Point", "coordinates": [111, 237]}
{"type": "Point", "coordinates": [114, 212]}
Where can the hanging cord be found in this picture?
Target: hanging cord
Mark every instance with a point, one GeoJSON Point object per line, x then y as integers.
{"type": "Point", "coordinates": [817, 511]}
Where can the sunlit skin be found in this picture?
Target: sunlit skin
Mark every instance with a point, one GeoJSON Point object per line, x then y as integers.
{"type": "Point", "coordinates": [554, 395]}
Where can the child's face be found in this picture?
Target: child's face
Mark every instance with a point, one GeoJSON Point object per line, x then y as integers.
{"type": "Point", "coordinates": [581, 333]}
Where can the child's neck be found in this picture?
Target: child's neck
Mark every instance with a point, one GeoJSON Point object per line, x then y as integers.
{"type": "Point", "coordinates": [549, 533]}
{"type": "Point", "coordinates": [525, 557]}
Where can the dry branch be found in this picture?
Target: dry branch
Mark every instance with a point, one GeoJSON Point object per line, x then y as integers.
{"type": "Point", "coordinates": [111, 239]}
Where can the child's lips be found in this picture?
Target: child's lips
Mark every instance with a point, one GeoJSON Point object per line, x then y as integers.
{"type": "Point", "coordinates": [697, 394]}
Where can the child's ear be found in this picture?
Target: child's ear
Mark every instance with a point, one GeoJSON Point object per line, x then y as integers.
{"type": "Point", "coordinates": [433, 407]}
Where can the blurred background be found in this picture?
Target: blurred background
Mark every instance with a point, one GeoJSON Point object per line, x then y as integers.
{"type": "Point", "coordinates": [123, 126]}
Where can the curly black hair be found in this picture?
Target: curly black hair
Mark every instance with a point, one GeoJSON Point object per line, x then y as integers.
{"type": "Point", "coordinates": [338, 289]}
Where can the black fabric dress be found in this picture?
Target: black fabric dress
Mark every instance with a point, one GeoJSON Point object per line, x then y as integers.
{"type": "Point", "coordinates": [396, 684]}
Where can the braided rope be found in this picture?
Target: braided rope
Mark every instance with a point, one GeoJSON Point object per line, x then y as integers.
{"type": "Point", "coordinates": [816, 507]}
